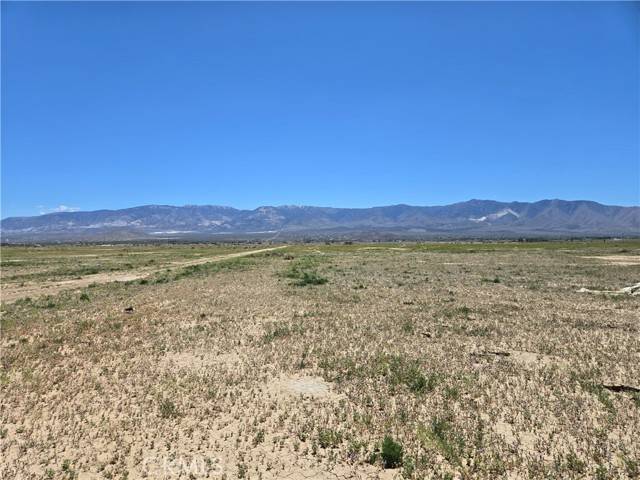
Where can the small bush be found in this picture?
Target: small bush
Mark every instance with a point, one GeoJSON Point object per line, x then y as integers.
{"type": "Point", "coordinates": [310, 278]}
{"type": "Point", "coordinates": [451, 393]}
{"type": "Point", "coordinates": [418, 383]}
{"type": "Point", "coordinates": [259, 438]}
{"type": "Point", "coordinates": [407, 372]}
{"type": "Point", "coordinates": [408, 467]}
{"type": "Point", "coordinates": [632, 467]}
{"type": "Point", "coordinates": [276, 331]}
{"type": "Point", "coordinates": [168, 409]}
{"type": "Point", "coordinates": [574, 464]}
{"type": "Point", "coordinates": [84, 297]}
{"type": "Point", "coordinates": [328, 438]}
{"type": "Point", "coordinates": [491, 280]}
{"type": "Point", "coordinates": [391, 453]}
{"type": "Point", "coordinates": [601, 394]}
{"type": "Point", "coordinates": [83, 326]}
{"type": "Point", "coordinates": [442, 436]}
{"type": "Point", "coordinates": [409, 327]}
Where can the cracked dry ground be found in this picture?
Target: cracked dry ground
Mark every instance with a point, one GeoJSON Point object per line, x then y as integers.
{"type": "Point", "coordinates": [480, 361]}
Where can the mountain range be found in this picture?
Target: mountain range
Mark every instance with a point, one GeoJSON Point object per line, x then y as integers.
{"type": "Point", "coordinates": [470, 219]}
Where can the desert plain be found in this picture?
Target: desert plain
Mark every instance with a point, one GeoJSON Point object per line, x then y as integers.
{"type": "Point", "coordinates": [515, 360]}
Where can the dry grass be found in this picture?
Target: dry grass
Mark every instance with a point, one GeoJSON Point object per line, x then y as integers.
{"type": "Point", "coordinates": [436, 361]}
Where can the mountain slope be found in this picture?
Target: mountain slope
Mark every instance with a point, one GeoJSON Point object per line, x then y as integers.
{"type": "Point", "coordinates": [474, 218]}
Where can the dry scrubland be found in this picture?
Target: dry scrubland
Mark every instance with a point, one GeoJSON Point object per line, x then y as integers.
{"type": "Point", "coordinates": [321, 361]}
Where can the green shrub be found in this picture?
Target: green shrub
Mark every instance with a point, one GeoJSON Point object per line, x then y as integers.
{"type": "Point", "coordinates": [451, 393]}
{"type": "Point", "coordinates": [275, 331]}
{"type": "Point", "coordinates": [259, 438]}
{"type": "Point", "coordinates": [632, 467]}
{"type": "Point", "coordinates": [328, 438]}
{"type": "Point", "coordinates": [407, 372]}
{"type": "Point", "coordinates": [310, 278]}
{"type": "Point", "coordinates": [442, 436]}
{"type": "Point", "coordinates": [408, 467]}
{"type": "Point", "coordinates": [601, 394]}
{"type": "Point", "coordinates": [418, 383]}
{"type": "Point", "coordinates": [391, 453]}
{"type": "Point", "coordinates": [409, 327]}
{"type": "Point", "coordinates": [242, 470]}
{"type": "Point", "coordinates": [168, 409]}
{"type": "Point", "coordinates": [574, 464]}
{"type": "Point", "coordinates": [491, 280]}
{"type": "Point", "coordinates": [278, 331]}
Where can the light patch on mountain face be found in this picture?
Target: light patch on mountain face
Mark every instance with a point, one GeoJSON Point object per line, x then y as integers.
{"type": "Point", "coordinates": [268, 214]}
{"type": "Point", "coordinates": [209, 223]}
{"type": "Point", "coordinates": [116, 223]}
{"type": "Point", "coordinates": [495, 216]}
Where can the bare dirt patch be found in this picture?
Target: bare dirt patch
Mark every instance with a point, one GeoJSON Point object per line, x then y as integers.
{"type": "Point", "coordinates": [532, 359]}
{"type": "Point", "coordinates": [37, 289]}
{"type": "Point", "coordinates": [314, 387]}
{"type": "Point", "coordinates": [199, 360]}
{"type": "Point", "coordinates": [622, 260]}
{"type": "Point", "coordinates": [630, 290]}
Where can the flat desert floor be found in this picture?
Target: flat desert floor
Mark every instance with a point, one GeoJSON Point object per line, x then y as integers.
{"type": "Point", "coordinates": [433, 360]}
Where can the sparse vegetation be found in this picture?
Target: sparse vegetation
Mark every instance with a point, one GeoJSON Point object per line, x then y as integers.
{"type": "Point", "coordinates": [459, 376]}
{"type": "Point", "coordinates": [304, 272]}
{"type": "Point", "coordinates": [328, 438]}
{"type": "Point", "coordinates": [310, 278]}
{"type": "Point", "coordinates": [441, 435]}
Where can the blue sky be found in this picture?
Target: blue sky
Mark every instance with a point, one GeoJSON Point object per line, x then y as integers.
{"type": "Point", "coordinates": [111, 105]}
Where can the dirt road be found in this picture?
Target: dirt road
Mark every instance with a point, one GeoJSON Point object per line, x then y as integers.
{"type": "Point", "coordinates": [12, 293]}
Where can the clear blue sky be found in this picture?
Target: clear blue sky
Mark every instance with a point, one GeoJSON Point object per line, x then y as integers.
{"type": "Point", "coordinates": [110, 105]}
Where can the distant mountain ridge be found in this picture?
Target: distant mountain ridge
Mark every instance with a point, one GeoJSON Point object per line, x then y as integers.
{"type": "Point", "coordinates": [470, 219]}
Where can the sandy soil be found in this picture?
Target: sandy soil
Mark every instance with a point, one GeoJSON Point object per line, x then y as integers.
{"type": "Point", "coordinates": [479, 365]}
{"type": "Point", "coordinates": [622, 260]}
